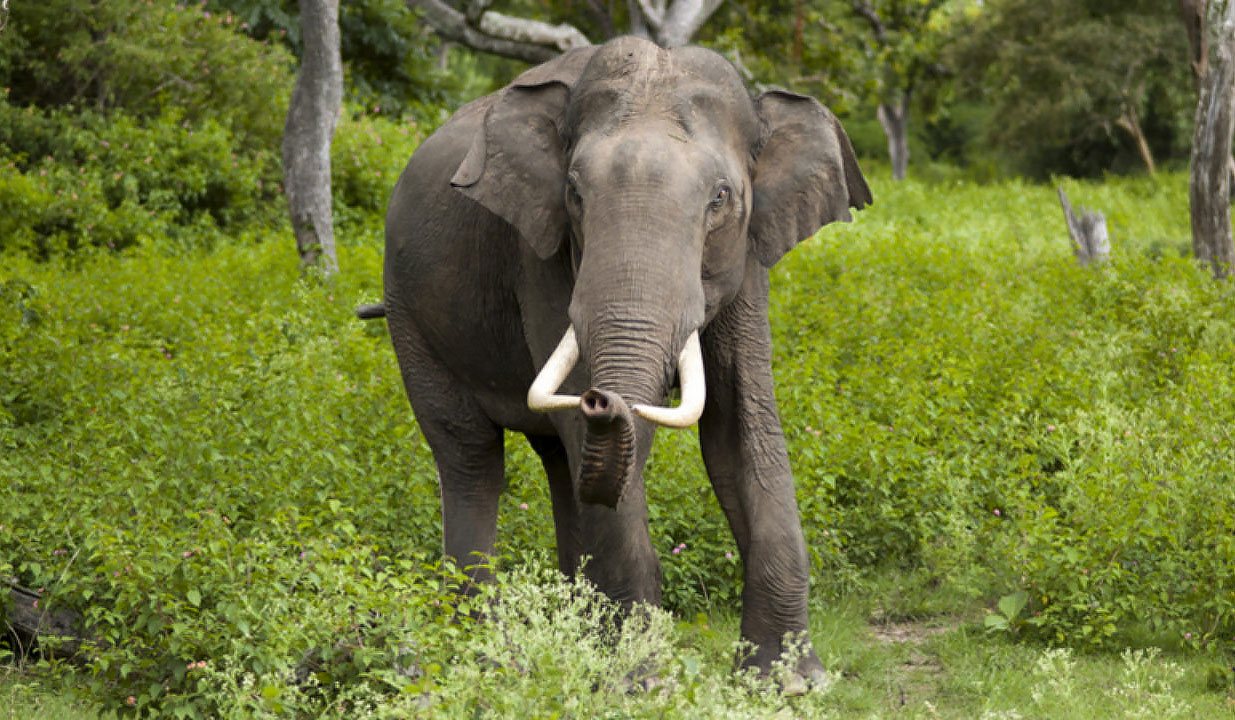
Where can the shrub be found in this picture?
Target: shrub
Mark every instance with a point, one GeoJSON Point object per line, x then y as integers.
{"type": "Point", "coordinates": [145, 57]}
{"type": "Point", "coordinates": [114, 181]}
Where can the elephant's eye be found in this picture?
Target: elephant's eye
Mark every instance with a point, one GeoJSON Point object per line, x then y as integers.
{"type": "Point", "coordinates": [572, 194]}
{"type": "Point", "coordinates": [720, 197]}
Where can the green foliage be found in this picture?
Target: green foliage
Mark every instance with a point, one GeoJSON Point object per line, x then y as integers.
{"type": "Point", "coordinates": [146, 57]}
{"type": "Point", "coordinates": [74, 180]}
{"type": "Point", "coordinates": [366, 158]}
{"type": "Point", "coordinates": [211, 459]}
{"type": "Point", "coordinates": [1069, 79]}
{"type": "Point", "coordinates": [394, 64]}
{"type": "Point", "coordinates": [959, 394]}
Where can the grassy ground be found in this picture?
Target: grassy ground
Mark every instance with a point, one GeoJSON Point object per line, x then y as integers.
{"type": "Point", "coordinates": [940, 667]}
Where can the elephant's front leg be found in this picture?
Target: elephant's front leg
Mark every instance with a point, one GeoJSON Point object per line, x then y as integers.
{"type": "Point", "coordinates": [744, 451]}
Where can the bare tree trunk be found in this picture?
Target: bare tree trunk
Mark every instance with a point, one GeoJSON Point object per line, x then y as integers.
{"type": "Point", "coordinates": [1210, 184]}
{"type": "Point", "coordinates": [1128, 121]}
{"type": "Point", "coordinates": [1193, 14]}
{"type": "Point", "coordinates": [894, 117]}
{"type": "Point", "coordinates": [311, 119]}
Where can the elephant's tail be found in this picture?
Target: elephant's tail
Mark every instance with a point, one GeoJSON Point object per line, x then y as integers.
{"type": "Point", "coordinates": [371, 311]}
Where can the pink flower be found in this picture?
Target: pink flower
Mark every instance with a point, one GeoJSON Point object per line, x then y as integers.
{"type": "Point", "coordinates": [728, 556]}
{"type": "Point", "coordinates": [998, 513]}
{"type": "Point", "coordinates": [1050, 428]}
{"type": "Point", "coordinates": [523, 506]}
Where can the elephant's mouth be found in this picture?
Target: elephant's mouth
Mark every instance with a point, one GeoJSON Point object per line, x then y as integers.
{"type": "Point", "coordinates": [542, 397]}
{"type": "Point", "coordinates": [607, 462]}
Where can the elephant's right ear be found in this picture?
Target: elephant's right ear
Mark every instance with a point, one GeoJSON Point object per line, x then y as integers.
{"type": "Point", "coordinates": [516, 167]}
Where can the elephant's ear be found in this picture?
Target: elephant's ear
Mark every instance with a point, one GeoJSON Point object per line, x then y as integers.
{"type": "Point", "coordinates": [516, 167]}
{"type": "Point", "coordinates": [806, 175]}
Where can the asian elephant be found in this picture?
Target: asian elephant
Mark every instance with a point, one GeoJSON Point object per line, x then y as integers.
{"type": "Point", "coordinates": [564, 252]}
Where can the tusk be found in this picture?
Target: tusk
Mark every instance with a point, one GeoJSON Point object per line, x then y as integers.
{"type": "Point", "coordinates": [541, 397]}
{"type": "Point", "coordinates": [694, 390]}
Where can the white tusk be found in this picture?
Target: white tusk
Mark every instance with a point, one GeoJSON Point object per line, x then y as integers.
{"type": "Point", "coordinates": [541, 397]}
{"type": "Point", "coordinates": [694, 390]}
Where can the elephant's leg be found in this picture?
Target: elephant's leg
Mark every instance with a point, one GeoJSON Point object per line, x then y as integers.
{"type": "Point", "coordinates": [467, 446]}
{"type": "Point", "coordinates": [744, 451]}
{"type": "Point", "coordinates": [619, 557]}
{"type": "Point", "coordinates": [565, 513]}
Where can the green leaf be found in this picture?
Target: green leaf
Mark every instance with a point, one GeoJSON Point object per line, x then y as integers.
{"type": "Point", "coordinates": [1011, 605]}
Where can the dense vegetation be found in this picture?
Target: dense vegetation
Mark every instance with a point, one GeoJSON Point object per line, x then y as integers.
{"type": "Point", "coordinates": [209, 458]}
{"type": "Point", "coordinates": [964, 405]}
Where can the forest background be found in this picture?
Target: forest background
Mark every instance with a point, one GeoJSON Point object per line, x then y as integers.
{"type": "Point", "coordinates": [208, 462]}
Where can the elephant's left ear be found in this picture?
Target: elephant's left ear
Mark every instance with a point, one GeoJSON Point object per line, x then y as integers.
{"type": "Point", "coordinates": [806, 174]}
{"type": "Point", "coordinates": [516, 167]}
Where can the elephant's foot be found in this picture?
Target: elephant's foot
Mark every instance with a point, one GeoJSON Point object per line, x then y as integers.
{"type": "Point", "coordinates": [797, 669]}
{"type": "Point", "coordinates": [808, 676]}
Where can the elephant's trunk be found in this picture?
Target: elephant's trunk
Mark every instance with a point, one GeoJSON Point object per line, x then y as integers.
{"type": "Point", "coordinates": [609, 451]}
{"type": "Point", "coordinates": [607, 464]}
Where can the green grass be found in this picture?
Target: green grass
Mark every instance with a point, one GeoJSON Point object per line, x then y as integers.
{"type": "Point", "coordinates": [206, 454]}
{"type": "Point", "coordinates": [24, 697]}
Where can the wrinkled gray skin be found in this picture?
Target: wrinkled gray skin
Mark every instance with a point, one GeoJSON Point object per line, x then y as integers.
{"type": "Point", "coordinates": [638, 194]}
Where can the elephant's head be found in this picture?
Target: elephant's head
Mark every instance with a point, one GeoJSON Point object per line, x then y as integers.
{"type": "Point", "coordinates": [662, 179]}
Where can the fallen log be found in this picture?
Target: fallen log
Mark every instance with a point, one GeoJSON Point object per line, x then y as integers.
{"type": "Point", "coordinates": [55, 632]}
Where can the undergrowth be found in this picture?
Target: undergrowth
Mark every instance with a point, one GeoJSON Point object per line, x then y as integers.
{"type": "Point", "coordinates": [206, 455]}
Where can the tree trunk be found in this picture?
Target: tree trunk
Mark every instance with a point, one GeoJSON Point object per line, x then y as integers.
{"type": "Point", "coordinates": [1209, 188]}
{"type": "Point", "coordinates": [683, 19]}
{"type": "Point", "coordinates": [894, 117]}
{"type": "Point", "coordinates": [1128, 121]}
{"type": "Point", "coordinates": [1192, 12]}
{"type": "Point", "coordinates": [311, 119]}
{"type": "Point", "coordinates": [669, 24]}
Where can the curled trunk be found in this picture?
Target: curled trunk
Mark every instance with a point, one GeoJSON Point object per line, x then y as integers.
{"type": "Point", "coordinates": [607, 464]}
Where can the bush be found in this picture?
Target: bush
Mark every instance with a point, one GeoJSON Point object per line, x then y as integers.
{"type": "Point", "coordinates": [145, 58]}
{"type": "Point", "coordinates": [114, 181]}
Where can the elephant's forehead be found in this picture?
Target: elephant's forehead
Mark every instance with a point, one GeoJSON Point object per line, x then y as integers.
{"type": "Point", "coordinates": [694, 88]}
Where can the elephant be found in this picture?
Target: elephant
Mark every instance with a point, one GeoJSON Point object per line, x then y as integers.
{"type": "Point", "coordinates": [564, 253]}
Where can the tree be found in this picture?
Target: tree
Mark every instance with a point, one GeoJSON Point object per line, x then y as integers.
{"type": "Point", "coordinates": [475, 25]}
{"type": "Point", "coordinates": [902, 49]}
{"type": "Point", "coordinates": [309, 131]}
{"type": "Point", "coordinates": [1209, 189]}
{"type": "Point", "coordinates": [1078, 85]}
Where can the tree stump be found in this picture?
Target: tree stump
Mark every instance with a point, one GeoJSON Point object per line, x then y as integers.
{"type": "Point", "coordinates": [1090, 241]}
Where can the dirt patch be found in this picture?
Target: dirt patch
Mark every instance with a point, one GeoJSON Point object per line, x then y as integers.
{"type": "Point", "coordinates": [914, 633]}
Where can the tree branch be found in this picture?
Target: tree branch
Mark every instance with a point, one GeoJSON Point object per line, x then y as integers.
{"type": "Point", "coordinates": [867, 13]}
{"type": "Point", "coordinates": [653, 15]}
{"type": "Point", "coordinates": [527, 40]}
{"type": "Point", "coordinates": [604, 17]}
{"type": "Point", "coordinates": [683, 19]}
